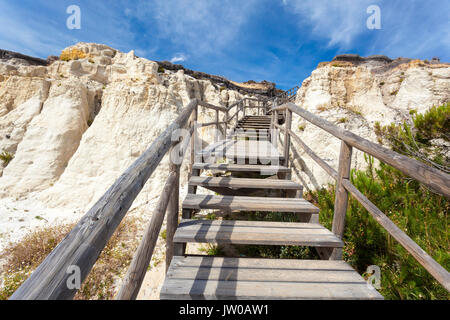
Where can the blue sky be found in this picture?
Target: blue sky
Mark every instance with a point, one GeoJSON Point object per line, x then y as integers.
{"type": "Point", "coordinates": [276, 40]}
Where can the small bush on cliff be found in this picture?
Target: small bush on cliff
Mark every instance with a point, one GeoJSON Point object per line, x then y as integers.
{"type": "Point", "coordinates": [72, 54]}
{"type": "Point", "coordinates": [415, 140]}
{"type": "Point", "coordinates": [6, 157]}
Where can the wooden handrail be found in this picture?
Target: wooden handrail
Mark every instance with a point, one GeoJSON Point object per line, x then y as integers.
{"type": "Point", "coordinates": [141, 260]}
{"type": "Point", "coordinates": [333, 173]}
{"type": "Point", "coordinates": [82, 246]}
{"type": "Point", "coordinates": [210, 106]}
{"type": "Point", "coordinates": [434, 268]}
{"type": "Point", "coordinates": [440, 183]}
{"type": "Point", "coordinates": [436, 180]}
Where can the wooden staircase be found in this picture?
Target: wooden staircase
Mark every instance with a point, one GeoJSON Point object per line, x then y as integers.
{"type": "Point", "coordinates": [237, 190]}
{"type": "Point", "coordinates": [254, 178]}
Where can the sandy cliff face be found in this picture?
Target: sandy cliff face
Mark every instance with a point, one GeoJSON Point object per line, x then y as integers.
{"type": "Point", "coordinates": [75, 126]}
{"type": "Point", "coordinates": [355, 96]}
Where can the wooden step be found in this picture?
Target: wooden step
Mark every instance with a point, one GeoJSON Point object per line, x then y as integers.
{"type": "Point", "coordinates": [269, 279]}
{"type": "Point", "coordinates": [263, 170]}
{"type": "Point", "coordinates": [253, 126]}
{"type": "Point", "coordinates": [240, 203]}
{"type": "Point", "coordinates": [237, 183]}
{"type": "Point", "coordinates": [256, 233]}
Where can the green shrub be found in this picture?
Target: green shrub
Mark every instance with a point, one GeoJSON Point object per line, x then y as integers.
{"type": "Point", "coordinates": [413, 209]}
{"type": "Point", "coordinates": [6, 157]}
{"type": "Point", "coordinates": [415, 140]}
{"type": "Point", "coordinates": [161, 69]}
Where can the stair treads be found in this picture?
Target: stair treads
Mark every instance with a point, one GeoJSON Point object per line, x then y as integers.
{"type": "Point", "coordinates": [244, 278]}
{"type": "Point", "coordinates": [244, 183]}
{"type": "Point", "coordinates": [256, 232]}
{"type": "Point", "coordinates": [264, 170]}
{"type": "Point", "coordinates": [236, 203]}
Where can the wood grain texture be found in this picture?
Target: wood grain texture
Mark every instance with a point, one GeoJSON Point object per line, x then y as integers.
{"type": "Point", "coordinates": [237, 183]}
{"type": "Point", "coordinates": [132, 282]}
{"type": "Point", "coordinates": [256, 233]}
{"type": "Point", "coordinates": [243, 278]}
{"type": "Point", "coordinates": [333, 173]}
{"type": "Point", "coordinates": [434, 268]}
{"type": "Point", "coordinates": [436, 180]}
{"type": "Point", "coordinates": [262, 169]}
{"type": "Point", "coordinates": [210, 106]}
{"type": "Point", "coordinates": [235, 203]}
{"type": "Point", "coordinates": [82, 246]}
{"type": "Point", "coordinates": [341, 199]}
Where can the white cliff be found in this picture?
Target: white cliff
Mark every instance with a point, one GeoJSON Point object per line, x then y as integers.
{"type": "Point", "coordinates": [355, 96]}
{"type": "Point", "coordinates": [73, 127]}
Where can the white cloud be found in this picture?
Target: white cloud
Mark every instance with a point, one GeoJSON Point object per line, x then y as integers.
{"type": "Point", "coordinates": [179, 57]}
{"type": "Point", "coordinates": [340, 21]}
{"type": "Point", "coordinates": [200, 25]}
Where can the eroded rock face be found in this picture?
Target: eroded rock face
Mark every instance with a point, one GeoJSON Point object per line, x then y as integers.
{"type": "Point", "coordinates": [356, 95]}
{"type": "Point", "coordinates": [75, 126]}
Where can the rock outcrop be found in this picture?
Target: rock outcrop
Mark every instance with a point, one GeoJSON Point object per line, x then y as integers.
{"type": "Point", "coordinates": [355, 93]}
{"type": "Point", "coordinates": [74, 126]}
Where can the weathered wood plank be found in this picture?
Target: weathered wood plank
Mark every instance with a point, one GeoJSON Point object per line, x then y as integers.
{"type": "Point", "coordinates": [248, 204]}
{"type": "Point", "coordinates": [230, 182]}
{"type": "Point", "coordinates": [436, 180]}
{"type": "Point", "coordinates": [341, 200]}
{"type": "Point", "coordinates": [132, 282]}
{"type": "Point", "coordinates": [84, 243]}
{"type": "Point", "coordinates": [230, 278]}
{"type": "Point", "coordinates": [210, 106]}
{"type": "Point", "coordinates": [262, 169]}
{"type": "Point", "coordinates": [287, 137]}
{"type": "Point", "coordinates": [434, 268]}
{"type": "Point", "coordinates": [256, 232]}
{"type": "Point", "coordinates": [333, 173]}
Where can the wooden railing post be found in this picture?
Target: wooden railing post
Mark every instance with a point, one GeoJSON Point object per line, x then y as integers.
{"type": "Point", "coordinates": [274, 137]}
{"type": "Point", "coordinates": [194, 137]}
{"type": "Point", "coordinates": [341, 200]}
{"type": "Point", "coordinates": [216, 136]}
{"type": "Point", "coordinates": [227, 119]}
{"type": "Point", "coordinates": [287, 137]}
{"type": "Point", "coordinates": [173, 211]}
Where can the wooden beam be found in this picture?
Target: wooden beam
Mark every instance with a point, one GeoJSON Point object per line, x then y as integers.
{"type": "Point", "coordinates": [434, 268]}
{"type": "Point", "coordinates": [287, 139]}
{"type": "Point", "coordinates": [333, 173]}
{"type": "Point", "coordinates": [82, 246]}
{"type": "Point", "coordinates": [341, 201]}
{"type": "Point", "coordinates": [436, 180]}
{"type": "Point", "coordinates": [132, 282]}
{"type": "Point", "coordinates": [210, 106]}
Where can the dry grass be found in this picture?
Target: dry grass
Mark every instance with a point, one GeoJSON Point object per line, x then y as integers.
{"type": "Point", "coordinates": [259, 86]}
{"type": "Point", "coordinates": [336, 64]}
{"type": "Point", "coordinates": [324, 107]}
{"type": "Point", "coordinates": [23, 257]}
{"type": "Point", "coordinates": [72, 54]}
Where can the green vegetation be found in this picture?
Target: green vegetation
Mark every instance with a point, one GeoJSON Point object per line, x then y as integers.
{"type": "Point", "coordinates": [24, 256]}
{"type": "Point", "coordinates": [415, 140]}
{"type": "Point", "coordinates": [161, 69]}
{"type": "Point", "coordinates": [342, 120]}
{"type": "Point", "coordinates": [164, 234]}
{"type": "Point", "coordinates": [414, 209]}
{"type": "Point", "coordinates": [6, 157]}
